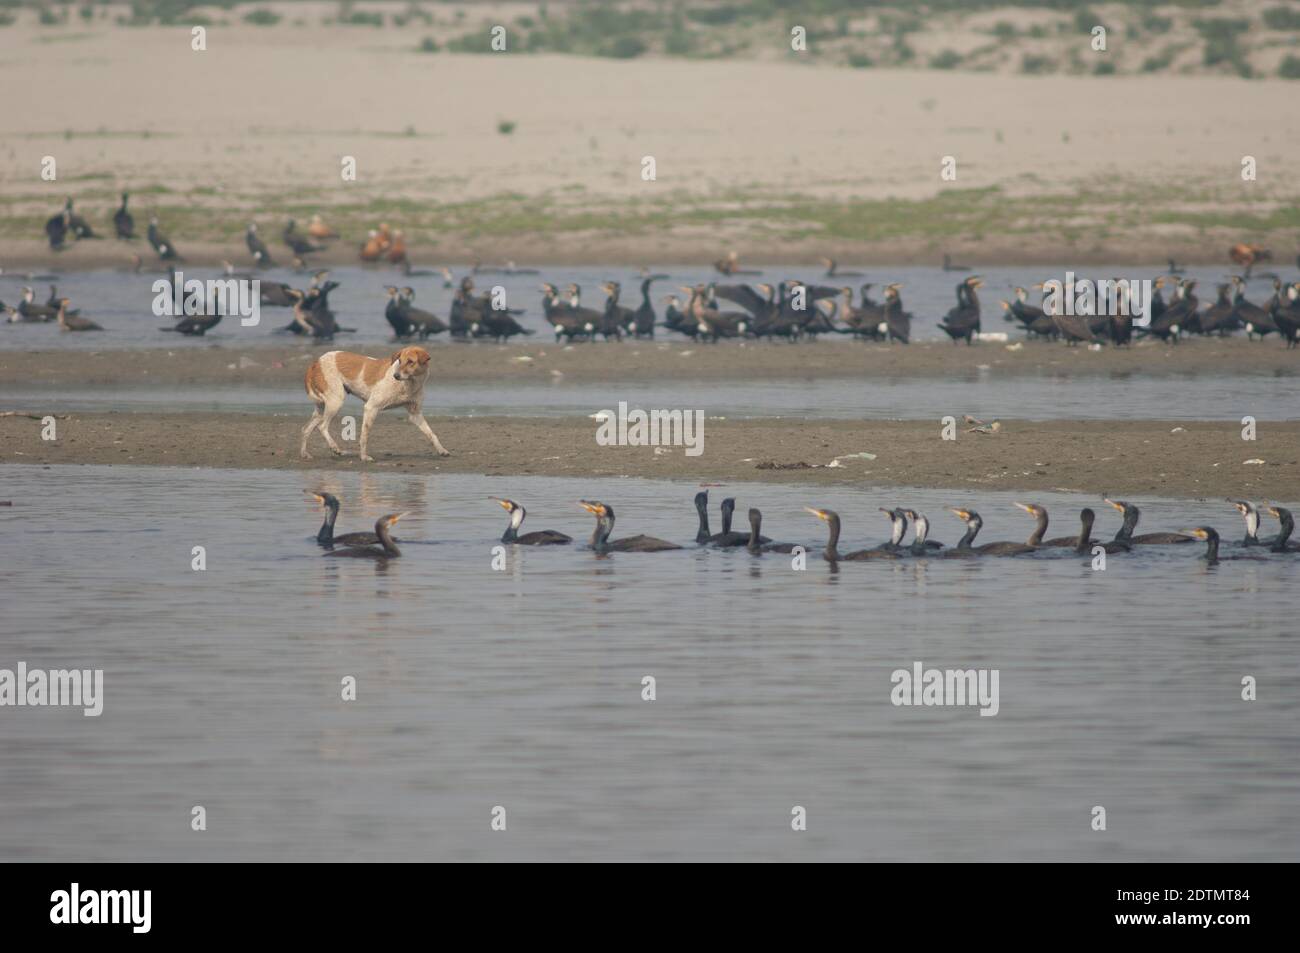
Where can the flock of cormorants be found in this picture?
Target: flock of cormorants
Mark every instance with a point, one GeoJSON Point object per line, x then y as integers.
{"type": "Point", "coordinates": [791, 309]}
{"type": "Point", "coordinates": [381, 546]}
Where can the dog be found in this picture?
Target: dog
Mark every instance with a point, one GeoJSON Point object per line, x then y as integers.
{"type": "Point", "coordinates": [396, 382]}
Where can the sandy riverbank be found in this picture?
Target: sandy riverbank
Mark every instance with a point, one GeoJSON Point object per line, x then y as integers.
{"type": "Point", "coordinates": [781, 160]}
{"type": "Point", "coordinates": [195, 363]}
{"type": "Point", "coordinates": [1159, 458]}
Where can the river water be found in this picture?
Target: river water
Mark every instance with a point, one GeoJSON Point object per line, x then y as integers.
{"type": "Point", "coordinates": [522, 687]}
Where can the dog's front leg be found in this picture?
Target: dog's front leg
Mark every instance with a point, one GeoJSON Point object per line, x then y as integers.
{"type": "Point", "coordinates": [367, 419]}
{"type": "Point", "coordinates": [414, 416]}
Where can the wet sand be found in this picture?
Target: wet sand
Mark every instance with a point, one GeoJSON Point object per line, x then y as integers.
{"type": "Point", "coordinates": [1157, 458]}
{"type": "Point", "coordinates": [196, 363]}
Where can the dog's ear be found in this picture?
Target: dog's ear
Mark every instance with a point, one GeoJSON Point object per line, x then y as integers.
{"type": "Point", "coordinates": [422, 356]}
{"type": "Point", "coordinates": [395, 358]}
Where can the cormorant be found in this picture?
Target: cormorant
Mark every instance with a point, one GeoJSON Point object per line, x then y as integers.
{"type": "Point", "coordinates": [387, 549]}
{"type": "Point", "coordinates": [257, 248]}
{"type": "Point", "coordinates": [1131, 516]}
{"type": "Point", "coordinates": [1281, 542]}
{"type": "Point", "coordinates": [296, 242]}
{"type": "Point", "coordinates": [543, 537]}
{"type": "Point", "coordinates": [1250, 514]}
{"type": "Point", "coordinates": [898, 323]}
{"type": "Point", "coordinates": [165, 249]}
{"type": "Point", "coordinates": [1035, 539]}
{"type": "Point", "coordinates": [559, 315]}
{"type": "Point", "coordinates": [71, 322]}
{"type": "Point", "coordinates": [400, 323]}
{"type": "Point", "coordinates": [196, 325]}
{"type": "Point", "coordinates": [755, 543]}
{"type": "Point", "coordinates": [600, 540]}
{"type": "Point", "coordinates": [29, 312]}
{"type": "Point", "coordinates": [1179, 316]}
{"type": "Point", "coordinates": [643, 320]}
{"type": "Point", "coordinates": [921, 546]}
{"type": "Point", "coordinates": [1287, 316]}
{"type": "Point", "coordinates": [325, 537]}
{"type": "Point", "coordinates": [832, 553]}
{"type": "Point", "coordinates": [731, 266]}
{"type": "Point", "coordinates": [963, 321]}
{"type": "Point", "coordinates": [617, 316]}
{"type": "Point", "coordinates": [1218, 317]}
{"type": "Point", "coordinates": [965, 546]}
{"type": "Point", "coordinates": [1211, 538]}
{"type": "Point", "coordinates": [728, 536]}
{"type": "Point", "coordinates": [833, 270]}
{"type": "Point", "coordinates": [57, 228]}
{"type": "Point", "coordinates": [1250, 316]}
{"type": "Point", "coordinates": [1084, 543]}
{"type": "Point", "coordinates": [124, 221]}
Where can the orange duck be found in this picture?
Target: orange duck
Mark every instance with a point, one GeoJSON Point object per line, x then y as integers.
{"type": "Point", "coordinates": [1248, 255]}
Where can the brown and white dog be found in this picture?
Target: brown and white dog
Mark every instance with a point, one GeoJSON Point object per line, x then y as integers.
{"type": "Point", "coordinates": [396, 382]}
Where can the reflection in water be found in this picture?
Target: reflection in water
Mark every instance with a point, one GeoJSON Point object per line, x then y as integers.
{"type": "Point", "coordinates": [522, 687]}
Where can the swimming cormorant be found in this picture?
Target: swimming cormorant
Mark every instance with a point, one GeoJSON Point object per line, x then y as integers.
{"type": "Point", "coordinates": [601, 542]}
{"type": "Point", "coordinates": [1084, 543]}
{"type": "Point", "coordinates": [921, 546]}
{"type": "Point", "coordinates": [387, 549]}
{"type": "Point", "coordinates": [325, 537]}
{"type": "Point", "coordinates": [1281, 542]}
{"type": "Point", "coordinates": [756, 542]}
{"type": "Point", "coordinates": [542, 537]}
{"type": "Point", "coordinates": [1035, 539]}
{"type": "Point", "coordinates": [1131, 516]}
{"type": "Point", "coordinates": [832, 553]}
{"type": "Point", "coordinates": [71, 322]}
{"type": "Point", "coordinates": [965, 546]}
{"type": "Point", "coordinates": [833, 270]}
{"type": "Point", "coordinates": [1211, 538]}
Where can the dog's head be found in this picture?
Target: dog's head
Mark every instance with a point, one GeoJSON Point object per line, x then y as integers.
{"type": "Point", "coordinates": [409, 363]}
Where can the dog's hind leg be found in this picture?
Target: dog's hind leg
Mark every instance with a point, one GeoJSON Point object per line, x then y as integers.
{"type": "Point", "coordinates": [332, 404]}
{"type": "Point", "coordinates": [415, 417]}
{"type": "Point", "coordinates": [306, 431]}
